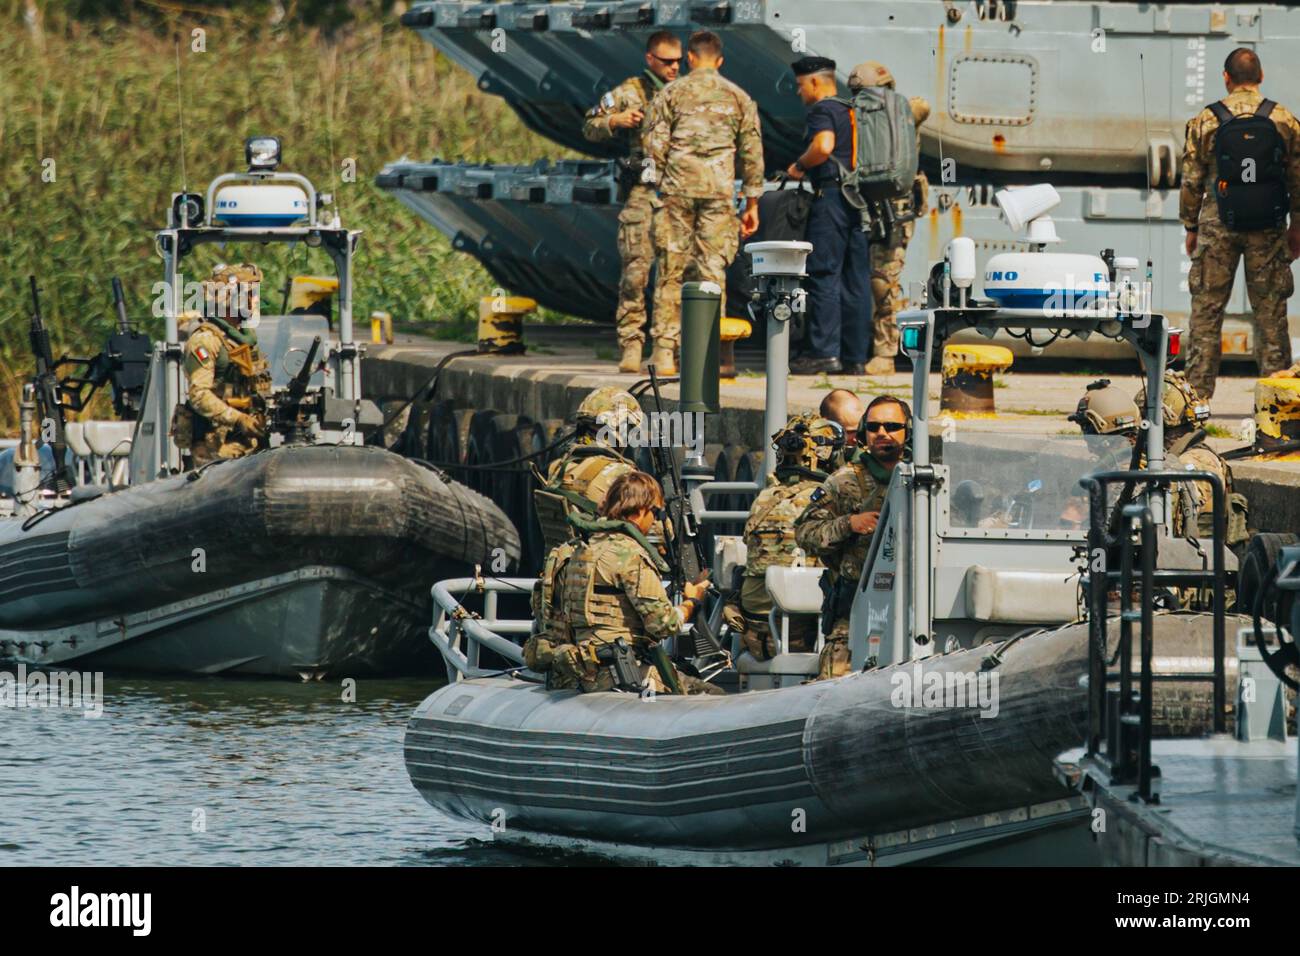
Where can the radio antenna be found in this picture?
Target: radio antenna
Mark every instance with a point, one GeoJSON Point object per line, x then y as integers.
{"type": "Point", "coordinates": [1146, 128]}
{"type": "Point", "coordinates": [180, 115]}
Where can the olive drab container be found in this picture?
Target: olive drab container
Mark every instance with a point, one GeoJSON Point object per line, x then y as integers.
{"type": "Point", "coordinates": [701, 332]}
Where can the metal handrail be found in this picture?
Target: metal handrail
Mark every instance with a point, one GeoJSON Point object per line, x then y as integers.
{"type": "Point", "coordinates": [1124, 722]}
{"type": "Point", "coordinates": [454, 625]}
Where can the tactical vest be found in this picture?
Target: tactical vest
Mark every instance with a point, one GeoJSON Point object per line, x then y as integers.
{"type": "Point", "coordinates": [576, 484]}
{"type": "Point", "coordinates": [769, 530]}
{"type": "Point", "coordinates": [596, 611]}
{"type": "Point", "coordinates": [872, 487]}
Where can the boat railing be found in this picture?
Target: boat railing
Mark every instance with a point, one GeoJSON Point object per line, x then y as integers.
{"type": "Point", "coordinates": [1120, 713]}
{"type": "Point", "coordinates": [461, 634]}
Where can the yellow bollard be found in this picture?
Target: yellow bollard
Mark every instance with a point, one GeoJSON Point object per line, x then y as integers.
{"type": "Point", "coordinates": [968, 377]}
{"type": "Point", "coordinates": [501, 322]}
{"type": "Point", "coordinates": [381, 328]}
{"type": "Point", "coordinates": [1277, 411]}
{"type": "Point", "coordinates": [312, 294]}
{"type": "Point", "coordinates": [732, 329]}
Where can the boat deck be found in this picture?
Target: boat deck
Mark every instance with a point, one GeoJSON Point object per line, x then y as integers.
{"type": "Point", "coordinates": [1222, 803]}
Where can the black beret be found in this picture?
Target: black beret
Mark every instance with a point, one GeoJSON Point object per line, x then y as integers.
{"type": "Point", "coordinates": [812, 64]}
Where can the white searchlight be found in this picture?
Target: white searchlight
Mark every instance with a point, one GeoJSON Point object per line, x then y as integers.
{"type": "Point", "coordinates": [1027, 208]}
{"type": "Point", "coordinates": [262, 153]}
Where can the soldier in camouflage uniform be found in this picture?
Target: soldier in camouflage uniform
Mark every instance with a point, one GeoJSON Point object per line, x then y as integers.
{"type": "Point", "coordinates": [1215, 249]}
{"type": "Point", "coordinates": [612, 589]}
{"type": "Point", "coordinates": [1184, 414]}
{"type": "Point", "coordinates": [809, 447]}
{"type": "Point", "coordinates": [621, 115]}
{"type": "Point", "coordinates": [702, 134]}
{"type": "Point", "coordinates": [228, 379]}
{"type": "Point", "coordinates": [842, 515]}
{"type": "Point", "coordinates": [580, 479]}
{"type": "Point", "coordinates": [887, 257]}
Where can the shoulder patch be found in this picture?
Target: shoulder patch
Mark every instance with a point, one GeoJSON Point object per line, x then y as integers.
{"type": "Point", "coordinates": [201, 353]}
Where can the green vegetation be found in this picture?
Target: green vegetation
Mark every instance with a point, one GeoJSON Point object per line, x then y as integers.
{"type": "Point", "coordinates": [1218, 431]}
{"type": "Point", "coordinates": [90, 153]}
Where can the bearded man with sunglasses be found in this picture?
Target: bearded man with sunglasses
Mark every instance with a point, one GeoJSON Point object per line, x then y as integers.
{"type": "Point", "coordinates": [620, 117]}
{"type": "Point", "coordinates": [841, 518]}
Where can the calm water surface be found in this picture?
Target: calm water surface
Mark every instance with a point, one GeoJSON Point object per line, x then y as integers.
{"type": "Point", "coordinates": [227, 772]}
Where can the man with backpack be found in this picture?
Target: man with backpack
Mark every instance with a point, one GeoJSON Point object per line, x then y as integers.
{"type": "Point", "coordinates": [1244, 151]}
{"type": "Point", "coordinates": [889, 254]}
{"type": "Point", "coordinates": [839, 266]}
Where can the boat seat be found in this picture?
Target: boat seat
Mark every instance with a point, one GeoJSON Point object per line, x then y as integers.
{"type": "Point", "coordinates": [729, 555]}
{"type": "Point", "coordinates": [795, 590]}
{"type": "Point", "coordinates": [1000, 596]}
{"type": "Point", "coordinates": [783, 670]}
{"type": "Point", "coordinates": [109, 439]}
{"type": "Point", "coordinates": [75, 434]}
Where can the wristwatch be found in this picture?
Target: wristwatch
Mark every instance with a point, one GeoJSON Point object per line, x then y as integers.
{"type": "Point", "coordinates": [800, 166]}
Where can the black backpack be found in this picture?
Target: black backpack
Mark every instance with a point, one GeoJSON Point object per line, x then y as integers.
{"type": "Point", "coordinates": [1250, 179]}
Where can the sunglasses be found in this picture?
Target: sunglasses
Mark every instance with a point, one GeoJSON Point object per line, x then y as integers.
{"type": "Point", "coordinates": [668, 60]}
{"type": "Point", "coordinates": [659, 513]}
{"type": "Point", "coordinates": [884, 427]}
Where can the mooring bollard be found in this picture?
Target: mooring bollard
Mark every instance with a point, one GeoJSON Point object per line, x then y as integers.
{"type": "Point", "coordinates": [732, 329]}
{"type": "Point", "coordinates": [968, 377]}
{"type": "Point", "coordinates": [501, 322]}
{"type": "Point", "coordinates": [1277, 411]}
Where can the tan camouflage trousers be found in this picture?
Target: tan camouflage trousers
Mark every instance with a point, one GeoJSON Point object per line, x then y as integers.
{"type": "Point", "coordinates": [1269, 284]}
{"type": "Point", "coordinates": [886, 268]}
{"type": "Point", "coordinates": [695, 240]}
{"type": "Point", "coordinates": [637, 253]}
{"type": "Point", "coordinates": [835, 659]}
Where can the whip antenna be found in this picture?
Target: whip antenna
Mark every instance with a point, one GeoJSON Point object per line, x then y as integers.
{"type": "Point", "coordinates": [1146, 128]}
{"type": "Point", "coordinates": [180, 115]}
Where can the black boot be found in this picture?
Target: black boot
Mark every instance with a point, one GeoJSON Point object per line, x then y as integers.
{"type": "Point", "coordinates": [814, 365]}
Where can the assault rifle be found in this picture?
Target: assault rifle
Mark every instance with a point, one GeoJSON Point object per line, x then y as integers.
{"type": "Point", "coordinates": [49, 392]}
{"type": "Point", "coordinates": [682, 542]}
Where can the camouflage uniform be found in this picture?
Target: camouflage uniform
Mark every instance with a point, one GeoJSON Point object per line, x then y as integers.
{"type": "Point", "coordinates": [823, 530]}
{"type": "Point", "coordinates": [702, 130]}
{"type": "Point", "coordinates": [579, 480]}
{"type": "Point", "coordinates": [612, 588]}
{"type": "Point", "coordinates": [770, 540]}
{"type": "Point", "coordinates": [550, 630]}
{"type": "Point", "coordinates": [635, 237]}
{"type": "Point", "coordinates": [1269, 282]}
{"type": "Point", "coordinates": [887, 257]}
{"type": "Point", "coordinates": [228, 377]}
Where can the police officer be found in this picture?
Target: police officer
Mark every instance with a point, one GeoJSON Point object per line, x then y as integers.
{"type": "Point", "coordinates": [808, 450]}
{"type": "Point", "coordinates": [621, 115]}
{"type": "Point", "coordinates": [1215, 248]}
{"type": "Point", "coordinates": [1184, 415]}
{"type": "Point", "coordinates": [228, 379]}
{"type": "Point", "coordinates": [887, 257]}
{"type": "Point", "coordinates": [580, 479]}
{"type": "Point", "coordinates": [701, 134]}
{"type": "Point", "coordinates": [839, 266]}
{"type": "Point", "coordinates": [842, 515]}
{"type": "Point", "coordinates": [612, 591]}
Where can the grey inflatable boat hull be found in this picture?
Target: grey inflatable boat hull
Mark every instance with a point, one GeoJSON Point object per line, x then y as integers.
{"type": "Point", "coordinates": [296, 560]}
{"type": "Point", "coordinates": [707, 774]}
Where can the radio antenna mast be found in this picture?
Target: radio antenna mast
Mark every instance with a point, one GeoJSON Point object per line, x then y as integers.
{"type": "Point", "coordinates": [1146, 127]}
{"type": "Point", "coordinates": [180, 115]}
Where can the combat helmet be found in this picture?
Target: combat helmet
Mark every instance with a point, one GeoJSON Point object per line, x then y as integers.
{"type": "Point", "coordinates": [1105, 410]}
{"type": "Point", "coordinates": [1181, 405]}
{"type": "Point", "coordinates": [870, 73]}
{"type": "Point", "coordinates": [810, 441]}
{"type": "Point", "coordinates": [231, 291]}
{"type": "Point", "coordinates": [607, 415]}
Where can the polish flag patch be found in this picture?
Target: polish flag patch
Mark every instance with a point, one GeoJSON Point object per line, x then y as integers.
{"type": "Point", "coordinates": [202, 353]}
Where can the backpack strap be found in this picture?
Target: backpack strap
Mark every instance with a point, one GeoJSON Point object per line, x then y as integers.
{"type": "Point", "coordinates": [1221, 112]}
{"type": "Point", "coordinates": [1265, 107]}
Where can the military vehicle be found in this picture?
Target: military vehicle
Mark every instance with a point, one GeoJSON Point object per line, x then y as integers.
{"type": "Point", "coordinates": [967, 627]}
{"type": "Point", "coordinates": [310, 556]}
{"type": "Point", "coordinates": [1091, 96]}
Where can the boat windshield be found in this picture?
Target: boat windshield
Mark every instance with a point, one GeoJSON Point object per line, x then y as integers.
{"type": "Point", "coordinates": [1000, 480]}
